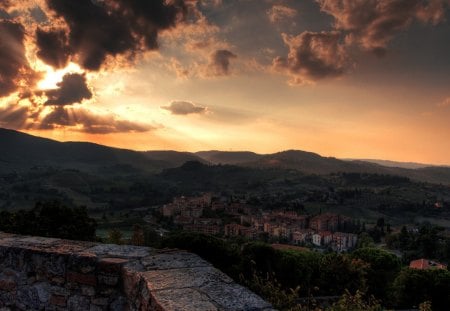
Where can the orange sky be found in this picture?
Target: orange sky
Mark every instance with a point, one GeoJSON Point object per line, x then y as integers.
{"type": "Point", "coordinates": [233, 75]}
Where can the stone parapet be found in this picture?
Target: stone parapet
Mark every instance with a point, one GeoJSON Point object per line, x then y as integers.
{"type": "Point", "coordinates": [53, 274]}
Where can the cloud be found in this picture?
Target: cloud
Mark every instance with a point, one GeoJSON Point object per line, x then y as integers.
{"type": "Point", "coordinates": [83, 120]}
{"type": "Point", "coordinates": [445, 103]}
{"type": "Point", "coordinates": [13, 116]}
{"type": "Point", "coordinates": [99, 29]}
{"type": "Point", "coordinates": [184, 108]}
{"type": "Point", "coordinates": [220, 62]}
{"type": "Point", "coordinates": [52, 47]}
{"type": "Point", "coordinates": [72, 89]}
{"type": "Point", "coordinates": [373, 23]}
{"type": "Point", "coordinates": [313, 56]}
{"type": "Point", "coordinates": [14, 67]}
{"type": "Point", "coordinates": [278, 13]}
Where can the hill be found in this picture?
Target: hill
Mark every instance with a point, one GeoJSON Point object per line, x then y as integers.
{"type": "Point", "coordinates": [22, 151]}
{"type": "Point", "coordinates": [228, 157]}
{"type": "Point", "coordinates": [387, 163]}
{"type": "Point", "coordinates": [173, 158]}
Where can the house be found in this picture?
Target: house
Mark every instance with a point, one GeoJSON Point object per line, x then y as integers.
{"type": "Point", "coordinates": [233, 229]}
{"type": "Point", "coordinates": [322, 238]}
{"type": "Point", "coordinates": [302, 236]}
{"type": "Point", "coordinates": [205, 229]}
{"type": "Point", "coordinates": [425, 264]}
{"type": "Point", "coordinates": [344, 241]}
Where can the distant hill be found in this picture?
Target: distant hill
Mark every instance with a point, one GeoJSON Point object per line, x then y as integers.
{"type": "Point", "coordinates": [175, 158]}
{"type": "Point", "coordinates": [312, 163]}
{"type": "Point", "coordinates": [228, 157]}
{"type": "Point", "coordinates": [409, 165]}
{"type": "Point", "coordinates": [19, 151]}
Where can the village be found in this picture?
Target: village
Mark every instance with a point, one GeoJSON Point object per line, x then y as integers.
{"type": "Point", "coordinates": [323, 231]}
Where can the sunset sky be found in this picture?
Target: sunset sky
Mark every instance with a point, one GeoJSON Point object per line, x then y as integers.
{"type": "Point", "coordinates": [343, 78]}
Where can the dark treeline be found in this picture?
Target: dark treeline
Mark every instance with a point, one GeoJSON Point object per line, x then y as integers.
{"type": "Point", "coordinates": [50, 219]}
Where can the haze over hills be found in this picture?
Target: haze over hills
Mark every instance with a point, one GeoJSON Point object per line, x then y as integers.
{"type": "Point", "coordinates": [388, 163]}
{"type": "Point", "coordinates": [23, 151]}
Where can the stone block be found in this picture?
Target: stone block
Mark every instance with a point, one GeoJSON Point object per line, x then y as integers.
{"type": "Point", "coordinates": [173, 260]}
{"type": "Point", "coordinates": [186, 299]}
{"type": "Point", "coordinates": [182, 278]}
{"type": "Point", "coordinates": [58, 300]}
{"type": "Point", "coordinates": [86, 279]}
{"type": "Point", "coordinates": [8, 284]}
{"type": "Point", "coordinates": [78, 303]}
{"type": "Point", "coordinates": [121, 251]}
{"type": "Point", "coordinates": [110, 280]}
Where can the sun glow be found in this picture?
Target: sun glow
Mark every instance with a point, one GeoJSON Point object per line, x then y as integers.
{"type": "Point", "coordinates": [52, 77]}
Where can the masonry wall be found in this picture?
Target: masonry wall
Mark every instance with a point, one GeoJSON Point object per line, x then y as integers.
{"type": "Point", "coordinates": [53, 274]}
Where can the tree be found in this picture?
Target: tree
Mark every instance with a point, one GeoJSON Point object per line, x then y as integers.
{"type": "Point", "coordinates": [339, 272]}
{"type": "Point", "coordinates": [413, 286]}
{"type": "Point", "coordinates": [115, 236]}
{"type": "Point", "coordinates": [364, 240]}
{"type": "Point", "coordinates": [382, 270]}
{"type": "Point", "coordinates": [357, 302]}
{"type": "Point", "coordinates": [138, 236]}
{"type": "Point", "coordinates": [51, 219]}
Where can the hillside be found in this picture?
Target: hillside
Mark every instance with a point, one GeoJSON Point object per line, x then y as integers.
{"type": "Point", "coordinates": [228, 157]}
{"type": "Point", "coordinates": [175, 158]}
{"type": "Point", "coordinates": [387, 163]}
{"type": "Point", "coordinates": [22, 151]}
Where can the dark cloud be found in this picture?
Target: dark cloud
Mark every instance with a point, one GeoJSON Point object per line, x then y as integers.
{"type": "Point", "coordinates": [373, 23]}
{"type": "Point", "coordinates": [52, 47]}
{"type": "Point", "coordinates": [184, 108]}
{"type": "Point", "coordinates": [4, 14]}
{"type": "Point", "coordinates": [5, 4]}
{"type": "Point", "coordinates": [88, 122]}
{"type": "Point", "coordinates": [313, 56]}
{"type": "Point", "coordinates": [72, 89]}
{"type": "Point", "coordinates": [279, 13]}
{"type": "Point", "coordinates": [98, 29]}
{"type": "Point", "coordinates": [13, 63]}
{"type": "Point", "coordinates": [38, 15]}
{"type": "Point", "coordinates": [220, 62]}
{"type": "Point", "coordinates": [13, 116]}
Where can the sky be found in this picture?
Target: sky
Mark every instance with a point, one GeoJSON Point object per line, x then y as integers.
{"type": "Point", "coordinates": [343, 78]}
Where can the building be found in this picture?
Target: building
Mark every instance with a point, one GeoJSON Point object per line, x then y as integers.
{"type": "Point", "coordinates": [302, 236]}
{"type": "Point", "coordinates": [425, 264]}
{"type": "Point", "coordinates": [344, 241]}
{"type": "Point", "coordinates": [232, 229]}
{"type": "Point", "coordinates": [205, 229]}
{"type": "Point", "coordinates": [322, 238]}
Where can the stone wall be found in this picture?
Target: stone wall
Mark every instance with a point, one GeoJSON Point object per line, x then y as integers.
{"type": "Point", "coordinates": [53, 274]}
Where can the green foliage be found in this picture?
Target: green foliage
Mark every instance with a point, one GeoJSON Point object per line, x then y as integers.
{"type": "Point", "coordinates": [413, 286]}
{"type": "Point", "coordinates": [357, 302]}
{"type": "Point", "coordinates": [115, 236]}
{"type": "Point", "coordinates": [291, 268]}
{"type": "Point", "coordinates": [269, 287]}
{"type": "Point", "coordinates": [382, 269]}
{"type": "Point", "coordinates": [426, 243]}
{"type": "Point", "coordinates": [339, 273]}
{"type": "Point", "coordinates": [364, 240]}
{"type": "Point", "coordinates": [50, 219]}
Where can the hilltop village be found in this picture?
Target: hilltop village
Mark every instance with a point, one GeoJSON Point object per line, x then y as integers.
{"type": "Point", "coordinates": [215, 216]}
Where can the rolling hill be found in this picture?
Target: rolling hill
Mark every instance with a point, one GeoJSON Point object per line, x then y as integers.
{"type": "Point", "coordinates": [228, 157]}
{"type": "Point", "coordinates": [19, 151]}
